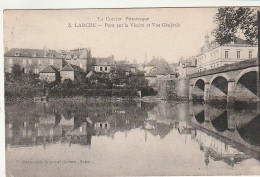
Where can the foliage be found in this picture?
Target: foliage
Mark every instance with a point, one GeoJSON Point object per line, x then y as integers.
{"type": "Point", "coordinates": [16, 71]}
{"type": "Point", "coordinates": [232, 20]}
{"type": "Point", "coordinates": [119, 84]}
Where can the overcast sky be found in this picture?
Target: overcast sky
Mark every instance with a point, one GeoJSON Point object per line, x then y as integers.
{"type": "Point", "coordinates": [39, 28]}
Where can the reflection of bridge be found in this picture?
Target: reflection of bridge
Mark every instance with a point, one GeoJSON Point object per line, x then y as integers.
{"type": "Point", "coordinates": [218, 149]}
{"type": "Point", "coordinates": [235, 82]}
{"type": "Point", "coordinates": [239, 128]}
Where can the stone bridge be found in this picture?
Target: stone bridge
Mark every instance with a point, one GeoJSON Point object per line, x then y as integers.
{"type": "Point", "coordinates": [234, 82]}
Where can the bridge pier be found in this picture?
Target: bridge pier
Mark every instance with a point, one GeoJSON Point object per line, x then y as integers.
{"type": "Point", "coordinates": [207, 112]}
{"type": "Point", "coordinates": [231, 95]}
{"type": "Point", "coordinates": [190, 92]}
{"type": "Point", "coordinates": [206, 92]}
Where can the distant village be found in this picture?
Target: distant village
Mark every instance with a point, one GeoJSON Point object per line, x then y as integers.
{"type": "Point", "coordinates": [72, 64]}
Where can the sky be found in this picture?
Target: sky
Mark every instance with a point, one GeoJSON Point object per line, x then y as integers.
{"type": "Point", "coordinates": [37, 29]}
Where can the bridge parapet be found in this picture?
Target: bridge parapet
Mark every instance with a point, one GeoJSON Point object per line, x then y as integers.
{"type": "Point", "coordinates": [226, 68]}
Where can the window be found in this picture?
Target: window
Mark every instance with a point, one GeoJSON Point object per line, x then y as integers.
{"type": "Point", "coordinates": [24, 61]}
{"type": "Point", "coordinates": [34, 54]}
{"type": "Point", "coordinates": [105, 68]}
{"type": "Point", "coordinates": [11, 61]}
{"type": "Point", "coordinates": [17, 53]}
{"type": "Point", "coordinates": [238, 54]}
{"type": "Point", "coordinates": [250, 54]}
{"type": "Point", "coordinates": [101, 68]}
{"type": "Point", "coordinates": [51, 132]}
{"type": "Point", "coordinates": [226, 54]}
{"type": "Point", "coordinates": [36, 70]}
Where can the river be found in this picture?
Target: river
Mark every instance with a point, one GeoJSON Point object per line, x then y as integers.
{"type": "Point", "coordinates": [127, 138]}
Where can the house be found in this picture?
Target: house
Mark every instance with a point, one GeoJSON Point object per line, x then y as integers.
{"type": "Point", "coordinates": [31, 60]}
{"type": "Point", "coordinates": [49, 74]}
{"type": "Point", "coordinates": [213, 55]}
{"type": "Point", "coordinates": [71, 72]}
{"type": "Point", "coordinates": [160, 70]}
{"type": "Point", "coordinates": [79, 57]}
{"type": "Point", "coordinates": [186, 67]}
{"type": "Point", "coordinates": [123, 68]}
{"type": "Point", "coordinates": [102, 65]}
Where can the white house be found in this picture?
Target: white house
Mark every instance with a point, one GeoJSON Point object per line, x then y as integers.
{"type": "Point", "coordinates": [213, 55]}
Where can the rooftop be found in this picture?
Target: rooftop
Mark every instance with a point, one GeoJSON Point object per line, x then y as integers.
{"type": "Point", "coordinates": [213, 44]}
{"type": "Point", "coordinates": [103, 61]}
{"type": "Point", "coordinates": [70, 67]}
{"type": "Point", "coordinates": [49, 69]}
{"type": "Point", "coordinates": [33, 53]}
{"type": "Point", "coordinates": [81, 53]}
{"type": "Point", "coordinates": [161, 67]}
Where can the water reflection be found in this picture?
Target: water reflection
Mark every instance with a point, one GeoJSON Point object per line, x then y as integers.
{"type": "Point", "coordinates": [223, 128]}
{"type": "Point", "coordinates": [219, 134]}
{"type": "Point", "coordinates": [72, 122]}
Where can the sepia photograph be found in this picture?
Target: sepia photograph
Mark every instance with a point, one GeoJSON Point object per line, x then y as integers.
{"type": "Point", "coordinates": [132, 92]}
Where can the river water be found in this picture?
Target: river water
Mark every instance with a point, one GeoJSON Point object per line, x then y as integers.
{"type": "Point", "coordinates": [127, 138]}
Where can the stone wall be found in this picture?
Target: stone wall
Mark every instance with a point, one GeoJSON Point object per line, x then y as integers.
{"type": "Point", "coordinates": [67, 75]}
{"type": "Point", "coordinates": [167, 88]}
{"type": "Point", "coordinates": [182, 88]}
{"type": "Point", "coordinates": [49, 77]}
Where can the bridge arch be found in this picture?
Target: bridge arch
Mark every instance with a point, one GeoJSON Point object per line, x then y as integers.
{"type": "Point", "coordinates": [219, 87]}
{"type": "Point", "coordinates": [244, 72]}
{"type": "Point", "coordinates": [199, 88]}
{"type": "Point", "coordinates": [200, 83]}
{"type": "Point", "coordinates": [219, 75]}
{"type": "Point", "coordinates": [246, 84]}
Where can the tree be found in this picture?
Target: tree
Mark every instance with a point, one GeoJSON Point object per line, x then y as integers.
{"type": "Point", "coordinates": [16, 71]}
{"type": "Point", "coordinates": [232, 20]}
{"type": "Point", "coordinates": [67, 83]}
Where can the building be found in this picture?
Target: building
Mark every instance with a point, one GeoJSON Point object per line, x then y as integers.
{"type": "Point", "coordinates": [124, 68]}
{"type": "Point", "coordinates": [158, 69]}
{"type": "Point", "coordinates": [31, 60]}
{"type": "Point", "coordinates": [79, 57]}
{"type": "Point", "coordinates": [49, 74]}
{"type": "Point", "coordinates": [186, 67]}
{"type": "Point", "coordinates": [71, 72]}
{"type": "Point", "coordinates": [102, 65]}
{"type": "Point", "coordinates": [148, 67]}
{"type": "Point", "coordinates": [213, 55]}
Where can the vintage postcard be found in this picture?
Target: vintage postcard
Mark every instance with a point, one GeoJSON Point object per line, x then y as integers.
{"type": "Point", "coordinates": [132, 92]}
